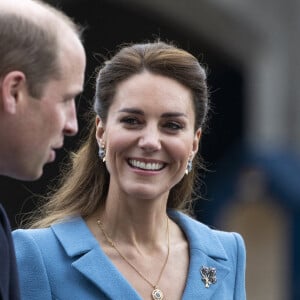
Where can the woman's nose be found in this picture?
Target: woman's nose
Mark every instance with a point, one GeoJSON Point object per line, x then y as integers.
{"type": "Point", "coordinates": [150, 139]}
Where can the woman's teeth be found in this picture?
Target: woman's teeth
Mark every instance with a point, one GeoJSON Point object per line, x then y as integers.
{"type": "Point", "coordinates": [146, 166]}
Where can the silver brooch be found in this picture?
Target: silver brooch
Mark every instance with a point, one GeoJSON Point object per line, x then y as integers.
{"type": "Point", "coordinates": [209, 275]}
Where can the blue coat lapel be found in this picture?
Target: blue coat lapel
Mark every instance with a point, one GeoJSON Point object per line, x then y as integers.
{"type": "Point", "coordinates": [205, 250]}
{"type": "Point", "coordinates": [195, 288]}
{"type": "Point", "coordinates": [91, 261]}
{"type": "Point", "coordinates": [96, 266]}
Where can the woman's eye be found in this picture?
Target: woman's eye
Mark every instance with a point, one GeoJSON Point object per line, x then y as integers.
{"type": "Point", "coordinates": [130, 121]}
{"type": "Point", "coordinates": [173, 125]}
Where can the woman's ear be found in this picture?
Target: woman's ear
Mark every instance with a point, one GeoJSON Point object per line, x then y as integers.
{"type": "Point", "coordinates": [99, 130]}
{"type": "Point", "coordinates": [196, 141]}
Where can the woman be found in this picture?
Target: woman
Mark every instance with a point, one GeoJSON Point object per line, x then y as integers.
{"type": "Point", "coordinates": [116, 228]}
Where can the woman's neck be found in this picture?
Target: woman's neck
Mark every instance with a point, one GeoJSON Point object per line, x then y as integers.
{"type": "Point", "coordinates": [133, 221]}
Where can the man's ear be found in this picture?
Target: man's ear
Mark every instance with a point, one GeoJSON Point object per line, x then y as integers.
{"type": "Point", "coordinates": [12, 87]}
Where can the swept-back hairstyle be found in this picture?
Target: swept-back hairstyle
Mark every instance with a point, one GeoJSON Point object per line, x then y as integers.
{"type": "Point", "coordinates": [30, 43]}
{"type": "Point", "coordinates": [85, 185]}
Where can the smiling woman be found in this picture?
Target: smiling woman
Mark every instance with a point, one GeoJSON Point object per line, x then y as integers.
{"type": "Point", "coordinates": [148, 141]}
{"type": "Point", "coordinates": [119, 225]}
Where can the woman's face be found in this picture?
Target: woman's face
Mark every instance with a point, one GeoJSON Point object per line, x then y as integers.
{"type": "Point", "coordinates": [149, 135]}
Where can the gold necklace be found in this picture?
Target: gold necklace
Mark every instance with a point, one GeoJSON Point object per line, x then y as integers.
{"type": "Point", "coordinates": [157, 293]}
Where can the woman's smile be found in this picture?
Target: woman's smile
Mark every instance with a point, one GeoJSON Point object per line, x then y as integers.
{"type": "Point", "coordinates": [149, 133]}
{"type": "Point", "coordinates": [144, 165]}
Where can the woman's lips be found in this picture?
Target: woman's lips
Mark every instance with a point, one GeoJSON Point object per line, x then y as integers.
{"type": "Point", "coordinates": [146, 165]}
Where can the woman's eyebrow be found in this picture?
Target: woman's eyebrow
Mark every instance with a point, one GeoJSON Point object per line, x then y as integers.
{"type": "Point", "coordinates": [164, 115]}
{"type": "Point", "coordinates": [173, 114]}
{"type": "Point", "coordinates": [132, 111]}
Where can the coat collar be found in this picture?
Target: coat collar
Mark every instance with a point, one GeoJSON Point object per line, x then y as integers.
{"type": "Point", "coordinates": [200, 236]}
{"type": "Point", "coordinates": [90, 260]}
{"type": "Point", "coordinates": [205, 250]}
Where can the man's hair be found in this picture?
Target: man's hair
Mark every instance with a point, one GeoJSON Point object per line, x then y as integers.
{"type": "Point", "coordinates": [30, 44]}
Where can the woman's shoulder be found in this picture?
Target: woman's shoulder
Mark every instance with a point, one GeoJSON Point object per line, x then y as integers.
{"type": "Point", "coordinates": [29, 240]}
{"type": "Point", "coordinates": [71, 236]}
{"type": "Point", "coordinates": [229, 237]}
{"type": "Point", "coordinates": [205, 236]}
{"type": "Point", "coordinates": [30, 234]}
{"type": "Point", "coordinates": [41, 236]}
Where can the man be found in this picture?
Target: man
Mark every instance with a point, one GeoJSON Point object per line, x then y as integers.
{"type": "Point", "coordinates": [42, 64]}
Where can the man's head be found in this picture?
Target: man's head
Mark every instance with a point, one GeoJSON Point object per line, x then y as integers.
{"type": "Point", "coordinates": [42, 65]}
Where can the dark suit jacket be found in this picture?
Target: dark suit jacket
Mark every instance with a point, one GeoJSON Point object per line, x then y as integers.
{"type": "Point", "coordinates": [9, 287]}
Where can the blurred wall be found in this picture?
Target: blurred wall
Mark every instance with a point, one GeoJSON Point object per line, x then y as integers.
{"type": "Point", "coordinates": [263, 36]}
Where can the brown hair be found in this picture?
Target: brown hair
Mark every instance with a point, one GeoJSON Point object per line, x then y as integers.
{"type": "Point", "coordinates": [85, 185]}
{"type": "Point", "coordinates": [30, 43]}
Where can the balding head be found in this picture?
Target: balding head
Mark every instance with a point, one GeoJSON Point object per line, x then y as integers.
{"type": "Point", "coordinates": [42, 67]}
{"type": "Point", "coordinates": [32, 35]}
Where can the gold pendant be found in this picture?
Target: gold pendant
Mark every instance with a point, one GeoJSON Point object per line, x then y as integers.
{"type": "Point", "coordinates": [157, 294]}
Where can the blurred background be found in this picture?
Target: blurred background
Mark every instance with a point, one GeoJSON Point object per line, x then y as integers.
{"type": "Point", "coordinates": [252, 145]}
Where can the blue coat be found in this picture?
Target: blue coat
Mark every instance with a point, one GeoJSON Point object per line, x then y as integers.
{"type": "Point", "coordinates": [66, 262]}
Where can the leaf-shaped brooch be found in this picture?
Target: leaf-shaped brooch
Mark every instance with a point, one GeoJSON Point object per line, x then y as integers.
{"type": "Point", "coordinates": [209, 275]}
